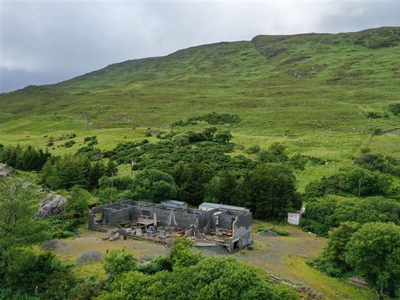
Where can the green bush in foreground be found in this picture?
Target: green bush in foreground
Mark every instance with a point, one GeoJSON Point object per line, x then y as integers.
{"type": "Point", "coordinates": [281, 231]}
{"type": "Point", "coordinates": [196, 277]}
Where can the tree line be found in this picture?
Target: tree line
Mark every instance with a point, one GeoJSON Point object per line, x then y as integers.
{"type": "Point", "coordinates": [196, 167]}
{"type": "Point", "coordinates": [194, 171]}
{"type": "Point", "coordinates": [358, 210]}
{"type": "Point", "coordinates": [369, 250]}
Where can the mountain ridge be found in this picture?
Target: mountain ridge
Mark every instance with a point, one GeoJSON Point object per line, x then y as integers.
{"type": "Point", "coordinates": [282, 86]}
{"type": "Point", "coordinates": [264, 42]}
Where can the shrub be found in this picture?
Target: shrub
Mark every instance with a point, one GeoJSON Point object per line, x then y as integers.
{"type": "Point", "coordinates": [155, 265]}
{"type": "Point", "coordinates": [394, 108]}
{"type": "Point", "coordinates": [281, 231]}
{"type": "Point", "coordinates": [373, 115]}
{"type": "Point", "coordinates": [263, 228]}
{"type": "Point", "coordinates": [69, 144]}
{"type": "Point", "coordinates": [253, 149]}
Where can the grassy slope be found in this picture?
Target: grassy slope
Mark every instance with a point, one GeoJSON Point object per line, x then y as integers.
{"type": "Point", "coordinates": [311, 92]}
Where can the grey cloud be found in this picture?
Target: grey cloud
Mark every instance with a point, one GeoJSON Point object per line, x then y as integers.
{"type": "Point", "coordinates": [356, 16]}
{"type": "Point", "coordinates": [46, 42]}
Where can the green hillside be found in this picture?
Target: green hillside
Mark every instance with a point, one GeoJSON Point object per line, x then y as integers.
{"type": "Point", "coordinates": [321, 94]}
{"type": "Point", "coordinates": [272, 124]}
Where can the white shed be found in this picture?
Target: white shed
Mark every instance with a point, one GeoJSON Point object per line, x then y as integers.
{"type": "Point", "coordinates": [294, 218]}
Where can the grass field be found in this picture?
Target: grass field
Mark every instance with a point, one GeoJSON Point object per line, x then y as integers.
{"type": "Point", "coordinates": [313, 93]}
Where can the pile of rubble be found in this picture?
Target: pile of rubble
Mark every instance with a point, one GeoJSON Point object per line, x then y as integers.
{"type": "Point", "coordinates": [161, 235]}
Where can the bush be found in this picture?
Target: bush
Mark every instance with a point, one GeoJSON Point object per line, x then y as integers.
{"type": "Point", "coordinates": [263, 228]}
{"type": "Point", "coordinates": [69, 144]}
{"type": "Point", "coordinates": [117, 262]}
{"type": "Point", "coordinates": [324, 266]}
{"type": "Point", "coordinates": [394, 108]}
{"type": "Point", "coordinates": [373, 115]}
{"type": "Point", "coordinates": [253, 149]}
{"type": "Point", "coordinates": [155, 265]}
{"type": "Point", "coordinates": [281, 231]}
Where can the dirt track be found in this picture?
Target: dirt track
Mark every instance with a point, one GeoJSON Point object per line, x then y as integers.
{"type": "Point", "coordinates": [71, 249]}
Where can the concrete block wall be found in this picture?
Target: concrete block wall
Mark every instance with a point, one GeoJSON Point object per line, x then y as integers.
{"type": "Point", "coordinates": [116, 216]}
{"type": "Point", "coordinates": [184, 218]}
{"type": "Point", "coordinates": [243, 230]}
{"type": "Point", "coordinates": [225, 221]}
{"type": "Point", "coordinates": [131, 210]}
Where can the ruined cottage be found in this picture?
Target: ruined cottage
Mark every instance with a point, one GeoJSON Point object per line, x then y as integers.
{"type": "Point", "coordinates": [229, 227]}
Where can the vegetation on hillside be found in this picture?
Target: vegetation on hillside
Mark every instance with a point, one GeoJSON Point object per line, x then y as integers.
{"type": "Point", "coordinates": [265, 124]}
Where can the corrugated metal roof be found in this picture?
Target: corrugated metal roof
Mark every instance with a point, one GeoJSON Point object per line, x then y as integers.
{"type": "Point", "coordinates": [210, 205]}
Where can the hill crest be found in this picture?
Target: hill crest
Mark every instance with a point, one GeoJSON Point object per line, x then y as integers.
{"type": "Point", "coordinates": [280, 85]}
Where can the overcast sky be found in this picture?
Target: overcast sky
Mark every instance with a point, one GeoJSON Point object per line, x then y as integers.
{"type": "Point", "coordinates": [45, 42]}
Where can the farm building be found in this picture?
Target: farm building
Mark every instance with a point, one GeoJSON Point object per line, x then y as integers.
{"type": "Point", "coordinates": [227, 227]}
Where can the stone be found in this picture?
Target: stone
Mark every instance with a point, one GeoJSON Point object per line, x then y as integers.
{"type": "Point", "coordinates": [5, 170]}
{"type": "Point", "coordinates": [51, 205]}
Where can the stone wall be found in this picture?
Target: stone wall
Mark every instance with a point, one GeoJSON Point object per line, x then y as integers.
{"type": "Point", "coordinates": [243, 231]}
{"type": "Point", "coordinates": [197, 223]}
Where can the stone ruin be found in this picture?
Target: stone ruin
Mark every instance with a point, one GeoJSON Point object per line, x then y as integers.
{"type": "Point", "coordinates": [230, 228]}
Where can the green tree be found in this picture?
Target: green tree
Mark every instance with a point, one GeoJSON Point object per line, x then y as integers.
{"type": "Point", "coordinates": [65, 172]}
{"type": "Point", "coordinates": [26, 159]}
{"type": "Point", "coordinates": [222, 136]}
{"type": "Point", "coordinates": [118, 261]}
{"type": "Point", "coordinates": [323, 214]}
{"type": "Point", "coordinates": [112, 168]}
{"type": "Point", "coordinates": [49, 175]}
{"type": "Point", "coordinates": [357, 181]}
{"type": "Point", "coordinates": [181, 254]}
{"type": "Point", "coordinates": [210, 278]}
{"type": "Point", "coordinates": [192, 181]}
{"type": "Point", "coordinates": [362, 182]}
{"type": "Point", "coordinates": [107, 195]}
{"type": "Point", "coordinates": [269, 191]}
{"type": "Point", "coordinates": [377, 162]}
{"type": "Point", "coordinates": [72, 171]}
{"type": "Point", "coordinates": [209, 132]}
{"type": "Point", "coordinates": [121, 183]}
{"type": "Point", "coordinates": [21, 262]}
{"type": "Point", "coordinates": [28, 273]}
{"type": "Point", "coordinates": [154, 185]}
{"type": "Point", "coordinates": [18, 204]}
{"type": "Point", "coordinates": [222, 188]}
{"type": "Point", "coordinates": [78, 203]}
{"type": "Point", "coordinates": [318, 215]}
{"type": "Point", "coordinates": [94, 173]}
{"type": "Point", "coordinates": [335, 251]}
{"type": "Point", "coordinates": [275, 153]}
{"type": "Point", "coordinates": [374, 252]}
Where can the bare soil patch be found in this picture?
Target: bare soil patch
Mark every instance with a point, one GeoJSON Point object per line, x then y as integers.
{"type": "Point", "coordinates": [70, 249]}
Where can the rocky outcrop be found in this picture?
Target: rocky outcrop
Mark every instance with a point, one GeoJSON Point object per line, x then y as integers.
{"type": "Point", "coordinates": [51, 205]}
{"type": "Point", "coordinates": [5, 170]}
